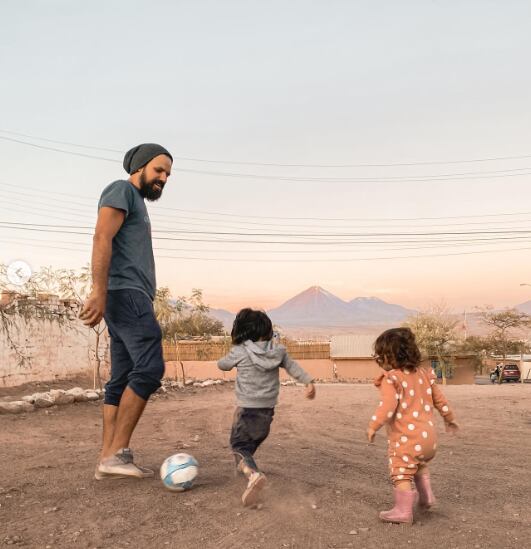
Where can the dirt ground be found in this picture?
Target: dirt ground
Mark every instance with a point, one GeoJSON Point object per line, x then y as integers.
{"type": "Point", "coordinates": [324, 480]}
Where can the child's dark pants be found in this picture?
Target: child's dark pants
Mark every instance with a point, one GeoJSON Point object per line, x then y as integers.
{"type": "Point", "coordinates": [249, 429]}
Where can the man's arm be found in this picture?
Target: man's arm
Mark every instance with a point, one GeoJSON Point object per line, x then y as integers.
{"type": "Point", "coordinates": [109, 222]}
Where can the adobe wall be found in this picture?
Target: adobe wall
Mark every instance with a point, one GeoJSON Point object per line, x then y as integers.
{"type": "Point", "coordinates": [53, 353]}
{"type": "Point", "coordinates": [317, 368]}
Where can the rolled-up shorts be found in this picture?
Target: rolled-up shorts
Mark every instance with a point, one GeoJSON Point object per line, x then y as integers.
{"type": "Point", "coordinates": [136, 345]}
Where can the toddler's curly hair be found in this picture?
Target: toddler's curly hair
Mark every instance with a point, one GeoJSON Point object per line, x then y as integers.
{"type": "Point", "coordinates": [398, 348]}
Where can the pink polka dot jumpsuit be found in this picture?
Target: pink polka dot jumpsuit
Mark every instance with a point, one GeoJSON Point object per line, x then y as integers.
{"type": "Point", "coordinates": [408, 398]}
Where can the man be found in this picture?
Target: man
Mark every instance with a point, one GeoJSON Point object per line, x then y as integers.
{"type": "Point", "coordinates": [123, 290]}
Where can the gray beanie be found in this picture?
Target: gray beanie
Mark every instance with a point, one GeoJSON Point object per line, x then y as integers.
{"type": "Point", "coordinates": [140, 155]}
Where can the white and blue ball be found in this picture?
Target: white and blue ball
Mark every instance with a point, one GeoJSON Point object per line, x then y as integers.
{"type": "Point", "coordinates": [178, 472]}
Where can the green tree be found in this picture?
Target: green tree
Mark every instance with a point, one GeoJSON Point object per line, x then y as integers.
{"type": "Point", "coordinates": [185, 318]}
{"type": "Point", "coordinates": [28, 306]}
{"type": "Point", "coordinates": [435, 332]}
{"type": "Point", "coordinates": [505, 331]}
{"type": "Point", "coordinates": [23, 305]}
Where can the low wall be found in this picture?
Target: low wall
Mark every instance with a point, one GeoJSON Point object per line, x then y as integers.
{"type": "Point", "coordinates": [343, 370]}
{"type": "Point", "coordinates": [317, 368]}
{"type": "Point", "coordinates": [52, 352]}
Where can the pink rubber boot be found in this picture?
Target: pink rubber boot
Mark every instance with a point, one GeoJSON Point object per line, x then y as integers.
{"type": "Point", "coordinates": [403, 509]}
{"type": "Point", "coordinates": [426, 497]}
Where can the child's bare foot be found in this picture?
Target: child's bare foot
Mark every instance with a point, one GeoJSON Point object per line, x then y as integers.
{"type": "Point", "coordinates": [254, 486]}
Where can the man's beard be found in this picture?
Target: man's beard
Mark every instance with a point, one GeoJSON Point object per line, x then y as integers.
{"type": "Point", "coordinates": [147, 188]}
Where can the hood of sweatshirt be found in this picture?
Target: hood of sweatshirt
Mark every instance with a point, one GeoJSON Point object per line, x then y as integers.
{"type": "Point", "coordinates": [262, 353]}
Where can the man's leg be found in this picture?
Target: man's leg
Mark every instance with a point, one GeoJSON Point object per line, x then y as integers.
{"type": "Point", "coordinates": [121, 366]}
{"type": "Point", "coordinates": [109, 421]}
{"type": "Point", "coordinates": [142, 339]}
{"type": "Point", "coordinates": [123, 422]}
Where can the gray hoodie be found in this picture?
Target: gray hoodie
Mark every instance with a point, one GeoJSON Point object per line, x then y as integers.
{"type": "Point", "coordinates": [257, 381]}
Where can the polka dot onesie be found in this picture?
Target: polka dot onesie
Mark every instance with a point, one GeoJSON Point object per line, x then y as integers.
{"type": "Point", "coordinates": [408, 399]}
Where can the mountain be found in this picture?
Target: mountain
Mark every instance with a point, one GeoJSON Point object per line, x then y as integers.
{"type": "Point", "coordinates": [225, 316]}
{"type": "Point", "coordinates": [374, 309]}
{"type": "Point", "coordinates": [314, 306]}
{"type": "Point", "coordinates": [524, 307]}
{"type": "Point", "coordinates": [318, 307]}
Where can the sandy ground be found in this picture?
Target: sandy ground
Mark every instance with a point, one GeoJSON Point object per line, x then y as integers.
{"type": "Point", "coordinates": [324, 480]}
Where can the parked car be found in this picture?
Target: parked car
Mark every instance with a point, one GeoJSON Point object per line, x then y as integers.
{"type": "Point", "coordinates": [509, 372]}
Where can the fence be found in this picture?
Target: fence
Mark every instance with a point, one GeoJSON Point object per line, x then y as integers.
{"type": "Point", "coordinates": [213, 350]}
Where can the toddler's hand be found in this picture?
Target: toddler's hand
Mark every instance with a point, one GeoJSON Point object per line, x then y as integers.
{"type": "Point", "coordinates": [370, 434]}
{"type": "Point", "coordinates": [310, 391]}
{"type": "Point", "coordinates": [451, 427]}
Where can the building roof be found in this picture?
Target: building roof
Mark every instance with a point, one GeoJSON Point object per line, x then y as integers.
{"type": "Point", "coordinates": [352, 346]}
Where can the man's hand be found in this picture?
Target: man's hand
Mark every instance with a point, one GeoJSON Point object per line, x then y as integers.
{"type": "Point", "coordinates": [370, 435]}
{"type": "Point", "coordinates": [93, 309]}
{"type": "Point", "coordinates": [310, 391]}
{"type": "Point", "coordinates": [451, 427]}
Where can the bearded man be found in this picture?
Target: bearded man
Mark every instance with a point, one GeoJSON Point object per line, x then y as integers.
{"type": "Point", "coordinates": [123, 291]}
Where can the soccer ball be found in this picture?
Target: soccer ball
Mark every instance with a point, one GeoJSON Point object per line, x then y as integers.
{"type": "Point", "coordinates": [178, 472]}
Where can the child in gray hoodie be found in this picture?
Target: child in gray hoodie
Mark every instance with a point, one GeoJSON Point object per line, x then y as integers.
{"type": "Point", "coordinates": [257, 387]}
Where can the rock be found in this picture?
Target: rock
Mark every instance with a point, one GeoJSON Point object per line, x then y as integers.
{"type": "Point", "coordinates": [92, 395]}
{"type": "Point", "coordinates": [208, 383]}
{"type": "Point", "coordinates": [79, 394]}
{"type": "Point", "coordinates": [16, 407]}
{"type": "Point", "coordinates": [353, 533]}
{"type": "Point", "coordinates": [43, 400]}
{"type": "Point", "coordinates": [60, 397]}
{"type": "Point", "coordinates": [28, 398]}
{"type": "Point", "coordinates": [197, 384]}
{"type": "Point", "coordinates": [364, 529]}
{"type": "Point", "coordinates": [314, 506]}
{"type": "Point", "coordinates": [219, 382]}
{"type": "Point", "coordinates": [189, 382]}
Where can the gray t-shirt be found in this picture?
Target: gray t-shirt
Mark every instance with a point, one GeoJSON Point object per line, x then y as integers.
{"type": "Point", "coordinates": [132, 262]}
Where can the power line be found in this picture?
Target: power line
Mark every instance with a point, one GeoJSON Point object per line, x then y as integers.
{"type": "Point", "coordinates": [60, 229]}
{"type": "Point", "coordinates": [345, 260]}
{"type": "Point", "coordinates": [264, 250]}
{"type": "Point", "coordinates": [404, 179]}
{"type": "Point", "coordinates": [54, 149]}
{"type": "Point", "coordinates": [327, 260]}
{"type": "Point", "coordinates": [49, 210]}
{"type": "Point", "coordinates": [155, 207]}
{"type": "Point", "coordinates": [302, 235]}
{"type": "Point", "coordinates": [290, 165]}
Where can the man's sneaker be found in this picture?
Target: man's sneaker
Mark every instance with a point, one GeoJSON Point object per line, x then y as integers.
{"type": "Point", "coordinates": [254, 486]}
{"type": "Point", "coordinates": [121, 465]}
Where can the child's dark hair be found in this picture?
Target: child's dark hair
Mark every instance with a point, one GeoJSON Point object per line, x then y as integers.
{"type": "Point", "coordinates": [253, 325]}
{"type": "Point", "coordinates": [398, 348]}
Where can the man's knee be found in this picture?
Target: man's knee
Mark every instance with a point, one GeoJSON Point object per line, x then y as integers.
{"type": "Point", "coordinates": [146, 380]}
{"type": "Point", "coordinates": [113, 393]}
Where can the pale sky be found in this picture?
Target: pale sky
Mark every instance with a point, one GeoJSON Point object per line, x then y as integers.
{"type": "Point", "coordinates": [306, 83]}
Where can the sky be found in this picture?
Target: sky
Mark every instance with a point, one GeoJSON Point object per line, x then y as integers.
{"type": "Point", "coordinates": [315, 88]}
